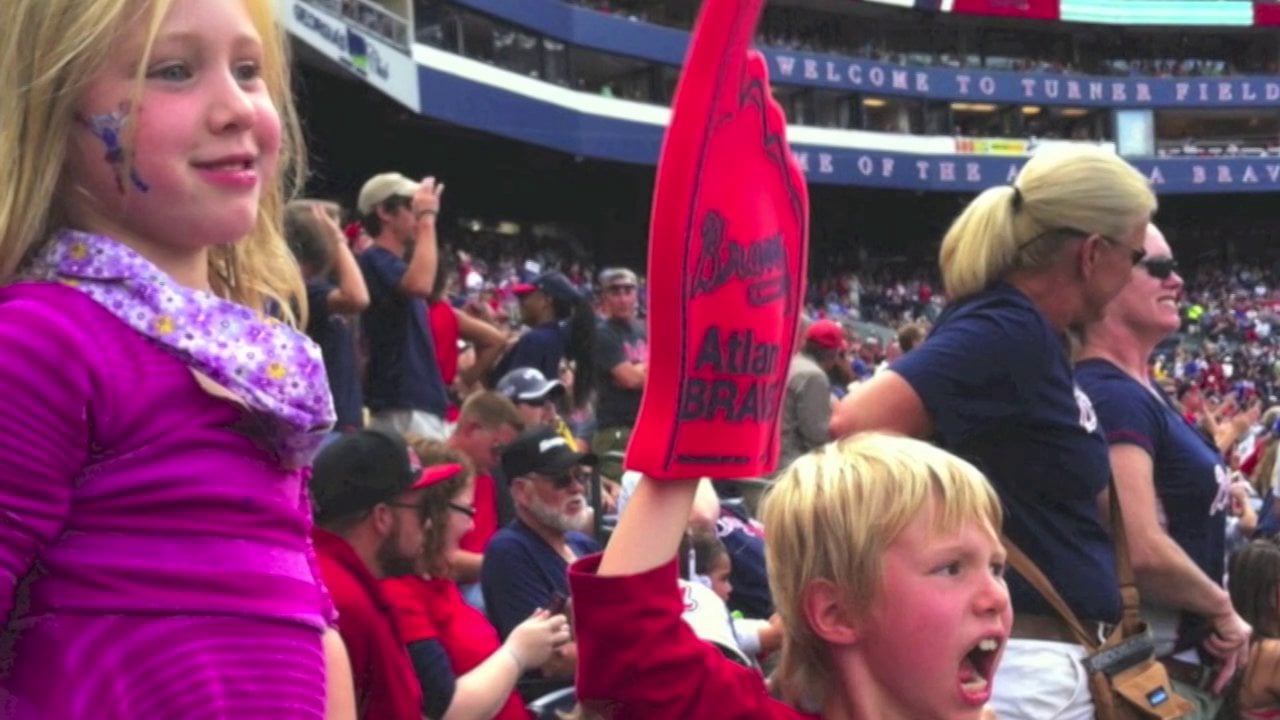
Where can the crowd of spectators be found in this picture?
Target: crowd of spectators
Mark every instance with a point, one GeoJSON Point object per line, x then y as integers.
{"type": "Point", "coordinates": [536, 452]}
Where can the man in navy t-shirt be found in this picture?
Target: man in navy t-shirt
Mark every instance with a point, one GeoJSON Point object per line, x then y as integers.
{"type": "Point", "coordinates": [404, 389]}
{"type": "Point", "coordinates": [526, 563]}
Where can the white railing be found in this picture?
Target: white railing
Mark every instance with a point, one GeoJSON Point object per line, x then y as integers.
{"type": "Point", "coordinates": [370, 16]}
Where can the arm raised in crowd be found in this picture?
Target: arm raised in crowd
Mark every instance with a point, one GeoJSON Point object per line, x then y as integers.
{"type": "Point", "coordinates": [419, 279]}
{"type": "Point", "coordinates": [351, 296]}
{"type": "Point", "coordinates": [489, 341]}
{"type": "Point", "coordinates": [649, 532]}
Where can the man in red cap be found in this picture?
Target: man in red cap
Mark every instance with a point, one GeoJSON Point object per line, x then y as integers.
{"type": "Point", "coordinates": [806, 409]}
{"type": "Point", "coordinates": [367, 487]}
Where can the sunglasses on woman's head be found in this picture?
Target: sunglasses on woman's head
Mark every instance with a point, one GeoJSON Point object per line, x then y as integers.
{"type": "Point", "coordinates": [1159, 268]}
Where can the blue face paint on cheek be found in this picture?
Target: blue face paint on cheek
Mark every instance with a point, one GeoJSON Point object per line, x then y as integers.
{"type": "Point", "coordinates": [109, 128]}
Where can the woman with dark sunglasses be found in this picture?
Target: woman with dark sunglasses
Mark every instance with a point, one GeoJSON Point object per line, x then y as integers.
{"type": "Point", "coordinates": [1020, 265]}
{"type": "Point", "coordinates": [1172, 481]}
{"type": "Point", "coordinates": [464, 670]}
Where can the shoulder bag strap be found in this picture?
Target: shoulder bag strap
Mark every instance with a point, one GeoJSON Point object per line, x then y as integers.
{"type": "Point", "coordinates": [1027, 568]}
{"type": "Point", "coordinates": [1130, 620]}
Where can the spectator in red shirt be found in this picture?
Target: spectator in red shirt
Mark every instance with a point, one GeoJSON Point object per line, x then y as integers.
{"type": "Point", "coordinates": [486, 424]}
{"type": "Point", "coordinates": [463, 668]}
{"type": "Point", "coordinates": [368, 490]}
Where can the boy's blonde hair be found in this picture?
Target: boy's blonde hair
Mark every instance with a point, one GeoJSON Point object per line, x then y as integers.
{"type": "Point", "coordinates": [1080, 187]}
{"type": "Point", "coordinates": [832, 514]}
{"type": "Point", "coordinates": [54, 47]}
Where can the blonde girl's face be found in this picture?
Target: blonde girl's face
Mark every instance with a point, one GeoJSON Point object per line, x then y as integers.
{"type": "Point", "coordinates": [182, 167]}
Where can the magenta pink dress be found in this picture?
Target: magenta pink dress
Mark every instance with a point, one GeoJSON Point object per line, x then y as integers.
{"type": "Point", "coordinates": [154, 561]}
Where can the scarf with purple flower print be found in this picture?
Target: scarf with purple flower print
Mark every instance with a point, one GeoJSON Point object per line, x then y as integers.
{"type": "Point", "coordinates": [273, 369]}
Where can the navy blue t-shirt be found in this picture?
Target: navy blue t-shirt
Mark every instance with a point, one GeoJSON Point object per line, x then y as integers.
{"type": "Point", "coordinates": [747, 574]}
{"type": "Point", "coordinates": [333, 333]}
{"type": "Point", "coordinates": [403, 373]}
{"type": "Point", "coordinates": [997, 383]}
{"type": "Point", "coordinates": [521, 572]}
{"type": "Point", "coordinates": [541, 347]}
{"type": "Point", "coordinates": [1188, 469]}
{"type": "Point", "coordinates": [1268, 522]}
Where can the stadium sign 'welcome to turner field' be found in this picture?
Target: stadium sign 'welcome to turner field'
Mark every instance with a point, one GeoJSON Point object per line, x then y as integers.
{"type": "Point", "coordinates": [1010, 87]}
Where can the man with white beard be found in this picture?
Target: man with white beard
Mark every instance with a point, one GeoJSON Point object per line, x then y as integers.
{"type": "Point", "coordinates": [525, 563]}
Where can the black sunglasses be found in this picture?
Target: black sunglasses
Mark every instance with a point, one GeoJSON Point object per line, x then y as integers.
{"type": "Point", "coordinates": [1135, 254]}
{"type": "Point", "coordinates": [1160, 268]}
{"type": "Point", "coordinates": [464, 509]}
{"type": "Point", "coordinates": [420, 508]}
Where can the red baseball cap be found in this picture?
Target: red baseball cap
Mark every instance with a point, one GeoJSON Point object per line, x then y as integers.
{"type": "Point", "coordinates": [827, 334]}
{"type": "Point", "coordinates": [435, 474]}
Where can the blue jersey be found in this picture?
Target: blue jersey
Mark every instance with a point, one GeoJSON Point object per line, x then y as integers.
{"type": "Point", "coordinates": [403, 372]}
{"type": "Point", "coordinates": [1190, 479]}
{"type": "Point", "coordinates": [541, 348]}
{"type": "Point", "coordinates": [996, 381]}
{"type": "Point", "coordinates": [521, 573]}
{"type": "Point", "coordinates": [333, 333]}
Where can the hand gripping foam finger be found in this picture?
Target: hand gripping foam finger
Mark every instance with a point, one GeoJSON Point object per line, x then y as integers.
{"type": "Point", "coordinates": [728, 249]}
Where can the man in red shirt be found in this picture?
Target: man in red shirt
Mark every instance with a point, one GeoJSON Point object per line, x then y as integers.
{"type": "Point", "coordinates": [486, 423]}
{"type": "Point", "coordinates": [367, 488]}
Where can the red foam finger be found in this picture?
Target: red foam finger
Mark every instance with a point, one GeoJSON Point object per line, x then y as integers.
{"type": "Point", "coordinates": [727, 263]}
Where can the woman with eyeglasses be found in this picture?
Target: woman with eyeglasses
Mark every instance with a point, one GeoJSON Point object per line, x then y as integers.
{"type": "Point", "coordinates": [994, 384]}
{"type": "Point", "coordinates": [464, 670]}
{"type": "Point", "coordinates": [1172, 482]}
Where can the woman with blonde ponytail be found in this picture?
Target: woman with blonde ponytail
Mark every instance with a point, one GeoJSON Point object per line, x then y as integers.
{"type": "Point", "coordinates": [1023, 264]}
{"type": "Point", "coordinates": [160, 409]}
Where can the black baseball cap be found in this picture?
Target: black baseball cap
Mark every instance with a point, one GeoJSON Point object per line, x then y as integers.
{"type": "Point", "coordinates": [363, 468]}
{"type": "Point", "coordinates": [553, 284]}
{"type": "Point", "coordinates": [544, 451]}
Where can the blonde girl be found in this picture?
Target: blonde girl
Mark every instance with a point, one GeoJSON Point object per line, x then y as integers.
{"type": "Point", "coordinates": [160, 409]}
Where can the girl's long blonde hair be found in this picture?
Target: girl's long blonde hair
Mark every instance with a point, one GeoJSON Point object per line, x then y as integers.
{"type": "Point", "coordinates": [53, 48]}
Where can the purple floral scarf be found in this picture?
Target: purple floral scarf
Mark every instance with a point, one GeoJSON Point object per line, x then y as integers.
{"type": "Point", "coordinates": [273, 369]}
